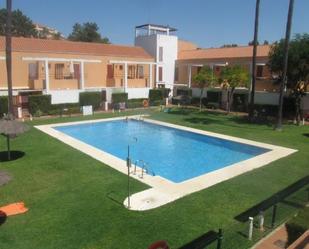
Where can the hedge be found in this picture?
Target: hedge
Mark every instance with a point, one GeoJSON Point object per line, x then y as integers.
{"type": "Point", "coordinates": [90, 98]}
{"type": "Point", "coordinates": [39, 104]}
{"type": "Point", "coordinates": [213, 96]}
{"type": "Point", "coordinates": [66, 108]}
{"type": "Point", "coordinates": [119, 97]}
{"type": "Point", "coordinates": [3, 105]}
{"type": "Point", "coordinates": [298, 225]}
{"type": "Point", "coordinates": [240, 102]}
{"type": "Point", "coordinates": [184, 91]}
{"type": "Point", "coordinates": [135, 103]}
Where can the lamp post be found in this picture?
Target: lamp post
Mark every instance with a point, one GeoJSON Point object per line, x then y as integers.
{"type": "Point", "coordinates": [129, 166]}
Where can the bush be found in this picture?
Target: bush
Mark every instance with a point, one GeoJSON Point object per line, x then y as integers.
{"type": "Point", "coordinates": [39, 104]}
{"type": "Point", "coordinates": [90, 98]}
{"type": "Point", "coordinates": [240, 102]}
{"type": "Point", "coordinates": [196, 101]}
{"type": "Point", "coordinates": [66, 108]}
{"type": "Point", "coordinates": [214, 97]}
{"type": "Point", "coordinates": [119, 97]}
{"type": "Point", "coordinates": [3, 105]}
{"type": "Point", "coordinates": [135, 103]}
{"type": "Point", "coordinates": [155, 95]}
{"type": "Point", "coordinates": [156, 103]}
{"type": "Point", "coordinates": [184, 91]}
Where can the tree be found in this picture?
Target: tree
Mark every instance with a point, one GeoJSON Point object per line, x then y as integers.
{"type": "Point", "coordinates": [44, 33]}
{"type": "Point", "coordinates": [266, 42]}
{"type": "Point", "coordinates": [232, 77]}
{"type": "Point", "coordinates": [204, 78]}
{"type": "Point", "coordinates": [297, 67]}
{"type": "Point", "coordinates": [285, 64]}
{"type": "Point", "coordinates": [57, 36]}
{"type": "Point", "coordinates": [8, 53]}
{"type": "Point", "coordinates": [21, 24]}
{"type": "Point", "coordinates": [233, 45]}
{"type": "Point", "coordinates": [87, 32]}
{"type": "Point", "coordinates": [255, 44]}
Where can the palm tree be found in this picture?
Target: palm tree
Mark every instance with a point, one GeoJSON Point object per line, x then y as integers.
{"type": "Point", "coordinates": [285, 63]}
{"type": "Point", "coordinates": [255, 42]}
{"type": "Point", "coordinates": [8, 46]}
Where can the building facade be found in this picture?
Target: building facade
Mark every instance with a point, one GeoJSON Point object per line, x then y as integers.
{"type": "Point", "coordinates": [63, 68]}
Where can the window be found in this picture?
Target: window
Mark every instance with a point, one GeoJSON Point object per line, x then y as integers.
{"type": "Point", "coordinates": [160, 74]}
{"type": "Point", "coordinates": [176, 74]}
{"type": "Point", "coordinates": [160, 54]}
{"type": "Point", "coordinates": [140, 71]}
{"type": "Point", "coordinates": [110, 71]}
{"type": "Point", "coordinates": [59, 71]}
{"type": "Point", "coordinates": [33, 73]}
{"type": "Point", "coordinates": [259, 71]}
{"type": "Point", "coordinates": [131, 72]}
{"type": "Point", "coordinates": [76, 74]}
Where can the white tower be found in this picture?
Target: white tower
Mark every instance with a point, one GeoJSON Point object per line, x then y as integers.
{"type": "Point", "coordinates": [162, 44]}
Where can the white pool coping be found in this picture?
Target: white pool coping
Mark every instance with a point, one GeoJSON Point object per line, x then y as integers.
{"type": "Point", "coordinates": [164, 191]}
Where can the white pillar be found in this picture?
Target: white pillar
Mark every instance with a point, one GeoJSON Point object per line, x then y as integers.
{"type": "Point", "coordinates": [46, 76]}
{"type": "Point", "coordinates": [189, 75]}
{"type": "Point", "coordinates": [250, 228]}
{"type": "Point", "coordinates": [150, 75]}
{"type": "Point", "coordinates": [125, 76]}
{"type": "Point", "coordinates": [82, 75]}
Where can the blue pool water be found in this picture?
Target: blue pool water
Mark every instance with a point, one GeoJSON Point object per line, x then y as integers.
{"type": "Point", "coordinates": [174, 154]}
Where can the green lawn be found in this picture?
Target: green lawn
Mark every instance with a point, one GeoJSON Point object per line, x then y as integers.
{"type": "Point", "coordinates": [74, 199]}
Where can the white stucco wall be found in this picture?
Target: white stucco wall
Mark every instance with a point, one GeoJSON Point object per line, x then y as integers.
{"type": "Point", "coordinates": [151, 44]}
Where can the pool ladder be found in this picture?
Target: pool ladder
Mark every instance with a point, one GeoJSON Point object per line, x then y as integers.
{"type": "Point", "coordinates": [145, 168]}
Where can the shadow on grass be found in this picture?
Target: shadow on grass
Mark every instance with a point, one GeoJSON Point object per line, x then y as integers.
{"type": "Point", "coordinates": [15, 154]}
{"type": "Point", "coordinates": [306, 135]}
{"type": "Point", "coordinates": [112, 196]}
{"type": "Point", "coordinates": [2, 218]}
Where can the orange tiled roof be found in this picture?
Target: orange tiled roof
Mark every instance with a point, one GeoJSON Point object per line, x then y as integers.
{"type": "Point", "coordinates": [223, 53]}
{"type": "Point", "coordinates": [60, 46]}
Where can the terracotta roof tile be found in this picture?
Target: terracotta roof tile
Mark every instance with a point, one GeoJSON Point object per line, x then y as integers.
{"type": "Point", "coordinates": [60, 46]}
{"type": "Point", "coordinates": [221, 53]}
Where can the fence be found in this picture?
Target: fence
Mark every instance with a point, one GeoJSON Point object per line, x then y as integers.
{"type": "Point", "coordinates": [262, 218]}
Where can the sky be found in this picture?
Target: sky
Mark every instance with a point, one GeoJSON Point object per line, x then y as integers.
{"type": "Point", "coordinates": [208, 23]}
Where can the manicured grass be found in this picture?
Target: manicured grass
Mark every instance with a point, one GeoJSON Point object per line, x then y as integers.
{"type": "Point", "coordinates": [75, 201]}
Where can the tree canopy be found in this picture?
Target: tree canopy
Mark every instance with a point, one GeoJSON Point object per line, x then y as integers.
{"type": "Point", "coordinates": [87, 32]}
{"type": "Point", "coordinates": [298, 63]}
{"type": "Point", "coordinates": [204, 78]}
{"type": "Point", "coordinates": [22, 25]}
{"type": "Point", "coordinates": [234, 76]}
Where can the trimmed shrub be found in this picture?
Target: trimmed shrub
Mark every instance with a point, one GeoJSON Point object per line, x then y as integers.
{"type": "Point", "coordinates": [39, 104]}
{"type": "Point", "coordinates": [165, 92]}
{"type": "Point", "coordinates": [185, 91]}
{"type": "Point", "coordinates": [90, 98]}
{"type": "Point", "coordinates": [135, 103]}
{"type": "Point", "coordinates": [214, 96]}
{"type": "Point", "coordinates": [240, 102]}
{"type": "Point", "coordinates": [119, 97]}
{"type": "Point", "coordinates": [156, 103]}
{"type": "Point", "coordinates": [155, 94]}
{"type": "Point", "coordinates": [65, 108]}
{"type": "Point", "coordinates": [3, 105]}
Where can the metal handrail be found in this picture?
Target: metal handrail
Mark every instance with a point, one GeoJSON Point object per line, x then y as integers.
{"type": "Point", "coordinates": [145, 168]}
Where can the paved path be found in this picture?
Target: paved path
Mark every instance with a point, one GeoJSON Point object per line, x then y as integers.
{"type": "Point", "coordinates": [278, 240]}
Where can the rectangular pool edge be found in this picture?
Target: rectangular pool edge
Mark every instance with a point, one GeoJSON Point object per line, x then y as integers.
{"type": "Point", "coordinates": [187, 186]}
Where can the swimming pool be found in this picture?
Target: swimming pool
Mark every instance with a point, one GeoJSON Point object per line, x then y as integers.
{"type": "Point", "coordinates": [174, 154]}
